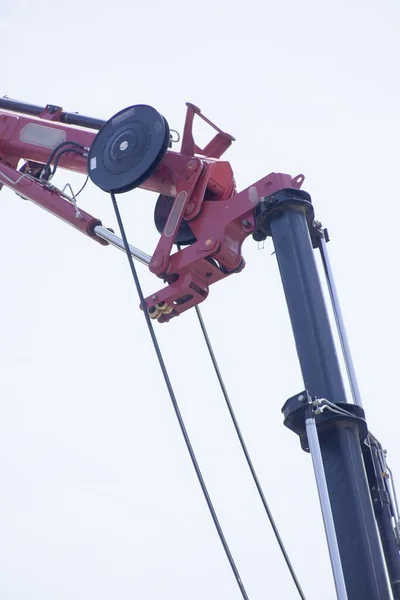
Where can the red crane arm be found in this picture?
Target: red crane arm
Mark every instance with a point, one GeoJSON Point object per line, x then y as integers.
{"type": "Point", "coordinates": [199, 184]}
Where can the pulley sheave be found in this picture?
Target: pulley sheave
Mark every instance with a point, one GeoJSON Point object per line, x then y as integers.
{"type": "Point", "coordinates": [128, 148]}
{"type": "Point", "coordinates": [185, 235]}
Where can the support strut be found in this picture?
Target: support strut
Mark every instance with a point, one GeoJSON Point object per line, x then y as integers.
{"type": "Point", "coordinates": [384, 512]}
{"type": "Point", "coordinates": [339, 322]}
{"type": "Point", "coordinates": [287, 216]}
{"type": "Point", "coordinates": [315, 450]}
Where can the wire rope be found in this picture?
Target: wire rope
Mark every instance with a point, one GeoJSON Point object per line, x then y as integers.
{"type": "Point", "coordinates": [245, 449]}
{"type": "Point", "coordinates": [175, 404]}
{"type": "Point", "coordinates": [247, 454]}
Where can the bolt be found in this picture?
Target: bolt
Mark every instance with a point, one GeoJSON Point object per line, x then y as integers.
{"type": "Point", "coordinates": [154, 297]}
{"type": "Point", "coordinates": [208, 242]}
{"type": "Point", "coordinates": [246, 223]}
{"type": "Point", "coordinates": [191, 165]}
{"type": "Point", "coordinates": [301, 398]}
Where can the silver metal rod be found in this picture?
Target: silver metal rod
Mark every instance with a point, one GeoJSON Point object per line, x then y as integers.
{"type": "Point", "coordinates": [393, 506]}
{"type": "Point", "coordinates": [393, 488]}
{"type": "Point", "coordinates": [114, 240]}
{"type": "Point", "coordinates": [315, 451]}
{"type": "Point", "coordinates": [340, 324]}
{"type": "Point", "coordinates": [389, 485]}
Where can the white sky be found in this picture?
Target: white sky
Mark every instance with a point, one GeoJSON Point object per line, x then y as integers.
{"type": "Point", "coordinates": [98, 496]}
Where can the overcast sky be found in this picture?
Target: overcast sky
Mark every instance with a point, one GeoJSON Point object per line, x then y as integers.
{"type": "Point", "coordinates": [98, 496]}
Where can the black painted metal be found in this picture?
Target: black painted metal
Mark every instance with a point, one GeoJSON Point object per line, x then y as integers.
{"type": "Point", "coordinates": [65, 117]}
{"type": "Point", "coordinates": [360, 551]}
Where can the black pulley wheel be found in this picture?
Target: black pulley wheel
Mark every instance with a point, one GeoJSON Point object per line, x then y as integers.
{"type": "Point", "coordinates": [128, 148]}
{"type": "Point", "coordinates": [185, 235]}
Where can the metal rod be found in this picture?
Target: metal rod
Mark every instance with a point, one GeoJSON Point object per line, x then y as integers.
{"type": "Point", "coordinates": [390, 547]}
{"type": "Point", "coordinates": [389, 486]}
{"type": "Point", "coordinates": [82, 120]}
{"type": "Point", "coordinates": [65, 117]}
{"type": "Point", "coordinates": [20, 107]}
{"type": "Point", "coordinates": [360, 550]}
{"type": "Point", "coordinates": [388, 480]}
{"type": "Point", "coordinates": [390, 489]}
{"type": "Point", "coordinates": [396, 504]}
{"type": "Point", "coordinates": [383, 513]}
{"type": "Point", "coordinates": [315, 451]}
{"type": "Point", "coordinates": [116, 241]}
{"type": "Point", "coordinates": [355, 392]}
{"type": "Point", "coordinates": [394, 512]}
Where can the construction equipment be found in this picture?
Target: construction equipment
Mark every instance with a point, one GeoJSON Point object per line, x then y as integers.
{"type": "Point", "coordinates": [203, 221]}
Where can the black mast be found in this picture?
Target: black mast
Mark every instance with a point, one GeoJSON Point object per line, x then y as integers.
{"type": "Point", "coordinates": [287, 217]}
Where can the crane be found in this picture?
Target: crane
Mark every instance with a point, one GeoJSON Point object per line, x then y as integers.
{"type": "Point", "coordinates": [203, 221]}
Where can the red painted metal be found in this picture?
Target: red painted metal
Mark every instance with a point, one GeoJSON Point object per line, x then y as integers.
{"type": "Point", "coordinates": [218, 145]}
{"type": "Point", "coordinates": [220, 230]}
{"type": "Point", "coordinates": [50, 199]}
{"type": "Point", "coordinates": [202, 185]}
{"type": "Point", "coordinates": [185, 190]}
{"type": "Point", "coordinates": [51, 113]}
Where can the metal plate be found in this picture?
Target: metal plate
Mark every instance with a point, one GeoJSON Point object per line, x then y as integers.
{"type": "Point", "coordinates": [128, 148]}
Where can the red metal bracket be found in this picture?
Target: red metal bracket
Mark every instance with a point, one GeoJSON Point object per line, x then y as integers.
{"type": "Point", "coordinates": [51, 113]}
{"type": "Point", "coordinates": [214, 149]}
{"type": "Point", "coordinates": [185, 189]}
{"type": "Point", "coordinates": [220, 230]}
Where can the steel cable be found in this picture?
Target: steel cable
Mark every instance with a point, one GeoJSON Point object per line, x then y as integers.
{"type": "Point", "coordinates": [245, 450]}
{"type": "Point", "coordinates": [175, 404]}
